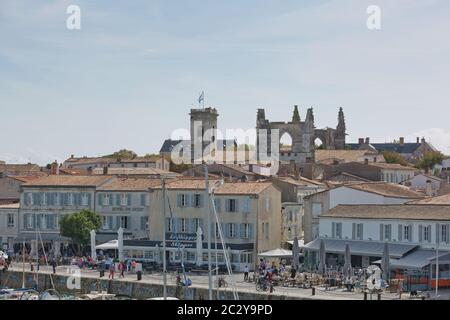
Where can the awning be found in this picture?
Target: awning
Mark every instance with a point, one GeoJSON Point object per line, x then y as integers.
{"type": "Point", "coordinates": [362, 248]}
{"type": "Point", "coordinates": [276, 253]}
{"type": "Point", "coordinates": [301, 243]}
{"type": "Point", "coordinates": [113, 244]}
{"type": "Point", "coordinates": [415, 260]}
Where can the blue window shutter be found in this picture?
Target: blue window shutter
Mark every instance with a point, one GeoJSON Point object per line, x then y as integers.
{"type": "Point", "coordinates": [240, 230]}
{"type": "Point", "coordinates": [227, 205]}
{"type": "Point", "coordinates": [237, 205]}
{"type": "Point", "coordinates": [88, 199]}
{"type": "Point", "coordinates": [142, 199]}
{"type": "Point", "coordinates": [100, 199]}
{"type": "Point", "coordinates": [201, 201]}
{"type": "Point", "coordinates": [178, 200]}
{"type": "Point", "coordinates": [250, 231]}
{"type": "Point", "coordinates": [129, 199]}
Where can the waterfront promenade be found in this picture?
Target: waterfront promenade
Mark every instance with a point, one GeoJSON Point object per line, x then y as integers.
{"type": "Point", "coordinates": [201, 281]}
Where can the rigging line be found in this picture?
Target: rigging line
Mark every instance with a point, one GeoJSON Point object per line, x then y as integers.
{"type": "Point", "coordinates": [225, 253]}
{"type": "Point", "coordinates": [45, 257]}
{"type": "Point", "coordinates": [177, 241]}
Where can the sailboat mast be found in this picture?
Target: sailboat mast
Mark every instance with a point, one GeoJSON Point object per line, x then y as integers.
{"type": "Point", "coordinates": [23, 265]}
{"type": "Point", "coordinates": [208, 215]}
{"type": "Point", "coordinates": [164, 239]}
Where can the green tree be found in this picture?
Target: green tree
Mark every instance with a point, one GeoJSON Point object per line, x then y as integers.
{"type": "Point", "coordinates": [122, 154]}
{"type": "Point", "coordinates": [78, 226]}
{"type": "Point", "coordinates": [429, 160]}
{"type": "Point", "coordinates": [151, 155]}
{"type": "Point", "coordinates": [394, 157]}
{"type": "Point", "coordinates": [296, 115]}
{"type": "Point", "coordinates": [179, 168]}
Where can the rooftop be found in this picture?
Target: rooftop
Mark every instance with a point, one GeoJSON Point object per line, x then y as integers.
{"type": "Point", "coordinates": [133, 171]}
{"type": "Point", "coordinates": [386, 189]}
{"type": "Point", "coordinates": [65, 181]}
{"type": "Point", "coordinates": [441, 200]}
{"type": "Point", "coordinates": [391, 166]}
{"type": "Point", "coordinates": [345, 155]}
{"type": "Point", "coordinates": [129, 184]}
{"type": "Point", "coordinates": [389, 212]}
{"type": "Point", "coordinates": [226, 188]}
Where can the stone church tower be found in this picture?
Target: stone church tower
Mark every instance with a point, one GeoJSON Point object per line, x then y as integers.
{"type": "Point", "coordinates": [303, 135]}
{"type": "Point", "coordinates": [203, 130]}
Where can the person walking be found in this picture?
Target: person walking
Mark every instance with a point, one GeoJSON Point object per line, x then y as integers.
{"type": "Point", "coordinates": [54, 265]}
{"type": "Point", "coordinates": [111, 271]}
{"type": "Point", "coordinates": [246, 273]}
{"type": "Point", "coordinates": [122, 269]}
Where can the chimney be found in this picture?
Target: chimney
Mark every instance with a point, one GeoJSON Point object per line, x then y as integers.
{"type": "Point", "coordinates": [89, 171]}
{"type": "Point", "coordinates": [429, 189]}
{"type": "Point", "coordinates": [367, 140]}
{"type": "Point", "coordinates": [71, 156]}
{"type": "Point", "coordinates": [402, 141]}
{"type": "Point", "coordinates": [361, 141]}
{"type": "Point", "coordinates": [418, 140]}
{"type": "Point", "coordinates": [54, 169]}
{"type": "Point", "coordinates": [105, 170]}
{"type": "Point", "coordinates": [423, 140]}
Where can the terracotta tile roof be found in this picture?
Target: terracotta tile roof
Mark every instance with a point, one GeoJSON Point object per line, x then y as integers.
{"type": "Point", "coordinates": [344, 155]}
{"type": "Point", "coordinates": [25, 178]}
{"type": "Point", "coordinates": [72, 181]}
{"type": "Point", "coordinates": [106, 160]}
{"type": "Point", "coordinates": [226, 188]}
{"type": "Point", "coordinates": [73, 171]}
{"type": "Point", "coordinates": [20, 169]}
{"type": "Point", "coordinates": [134, 171]}
{"type": "Point", "coordinates": [391, 166]}
{"type": "Point", "coordinates": [412, 212]}
{"type": "Point", "coordinates": [301, 181]}
{"type": "Point", "coordinates": [444, 200]}
{"type": "Point", "coordinates": [351, 177]}
{"type": "Point", "coordinates": [386, 189]}
{"type": "Point", "coordinates": [243, 188]}
{"type": "Point", "coordinates": [130, 184]}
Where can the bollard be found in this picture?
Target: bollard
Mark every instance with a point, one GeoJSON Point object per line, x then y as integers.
{"type": "Point", "coordinates": [102, 273]}
{"type": "Point", "coordinates": [379, 296]}
{"type": "Point", "coordinates": [139, 275]}
{"type": "Point", "coordinates": [313, 291]}
{"type": "Point", "coordinates": [365, 295]}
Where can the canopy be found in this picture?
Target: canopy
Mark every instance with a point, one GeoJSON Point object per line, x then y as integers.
{"type": "Point", "coordinates": [301, 243]}
{"type": "Point", "coordinates": [113, 244]}
{"type": "Point", "coordinates": [276, 253]}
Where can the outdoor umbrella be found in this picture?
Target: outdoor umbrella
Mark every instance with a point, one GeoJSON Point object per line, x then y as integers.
{"type": "Point", "coordinates": [385, 262]}
{"type": "Point", "coordinates": [295, 253]}
{"type": "Point", "coordinates": [322, 257]}
{"type": "Point", "coordinates": [347, 261]}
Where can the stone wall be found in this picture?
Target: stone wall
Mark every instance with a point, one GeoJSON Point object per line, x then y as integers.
{"type": "Point", "coordinates": [135, 289]}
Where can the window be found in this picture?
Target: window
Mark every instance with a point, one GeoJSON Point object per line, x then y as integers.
{"type": "Point", "coordinates": [406, 233]}
{"type": "Point", "coordinates": [198, 201]}
{"type": "Point", "coordinates": [124, 222]}
{"type": "Point", "coordinates": [183, 200]}
{"type": "Point", "coordinates": [197, 224]}
{"type": "Point", "coordinates": [336, 230]}
{"type": "Point", "coordinates": [387, 232]}
{"type": "Point", "coordinates": [231, 230]}
{"type": "Point", "coordinates": [216, 228]}
{"type": "Point", "coordinates": [183, 225]}
{"type": "Point", "coordinates": [427, 233]}
{"type": "Point", "coordinates": [11, 221]}
{"type": "Point", "coordinates": [267, 204]}
{"type": "Point", "coordinates": [267, 231]}
{"type": "Point", "coordinates": [124, 200]}
{"type": "Point", "coordinates": [169, 225]}
{"type": "Point", "coordinates": [245, 230]}
{"type": "Point", "coordinates": [218, 204]}
{"type": "Point", "coordinates": [104, 222]}
{"type": "Point", "coordinates": [316, 209]}
{"type": "Point", "coordinates": [144, 223]}
{"type": "Point", "coordinates": [231, 205]}
{"type": "Point", "coordinates": [246, 206]}
{"type": "Point", "coordinates": [145, 200]}
{"type": "Point", "coordinates": [444, 233]}
{"type": "Point", "coordinates": [359, 231]}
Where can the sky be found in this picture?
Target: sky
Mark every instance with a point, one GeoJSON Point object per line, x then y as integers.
{"type": "Point", "coordinates": [129, 76]}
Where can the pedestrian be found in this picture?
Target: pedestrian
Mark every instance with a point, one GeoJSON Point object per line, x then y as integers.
{"type": "Point", "coordinates": [246, 273]}
{"type": "Point", "coordinates": [128, 265]}
{"type": "Point", "coordinates": [122, 269]}
{"type": "Point", "coordinates": [111, 271]}
{"type": "Point", "coordinates": [133, 266]}
{"type": "Point", "coordinates": [54, 265]}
